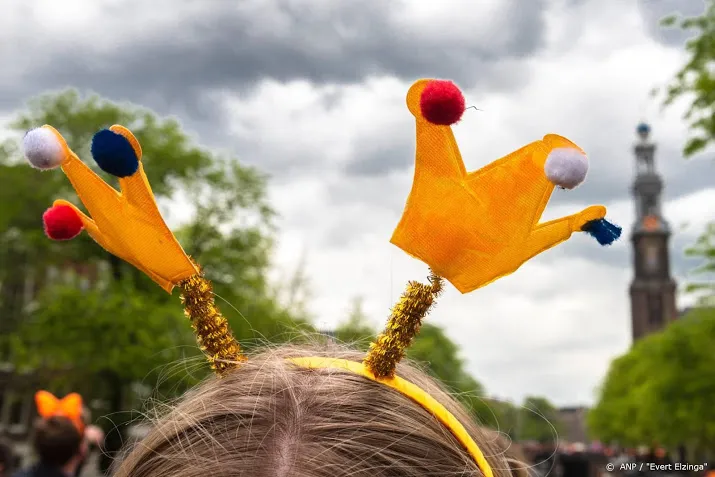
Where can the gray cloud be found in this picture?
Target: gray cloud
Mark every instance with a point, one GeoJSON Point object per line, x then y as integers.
{"type": "Point", "coordinates": [609, 181]}
{"type": "Point", "coordinates": [171, 69]}
{"type": "Point", "coordinates": [615, 177]}
{"type": "Point", "coordinates": [376, 159]}
{"type": "Point", "coordinates": [680, 179]}
{"type": "Point", "coordinates": [653, 11]}
{"type": "Point", "coordinates": [611, 177]}
{"type": "Point", "coordinates": [224, 48]}
{"type": "Point", "coordinates": [232, 46]}
{"type": "Point", "coordinates": [621, 255]}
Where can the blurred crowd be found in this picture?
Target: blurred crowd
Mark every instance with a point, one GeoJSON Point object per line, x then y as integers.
{"type": "Point", "coordinates": [579, 460]}
{"type": "Point", "coordinates": [58, 454]}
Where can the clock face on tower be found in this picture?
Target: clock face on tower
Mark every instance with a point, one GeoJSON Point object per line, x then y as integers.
{"type": "Point", "coordinates": [650, 223]}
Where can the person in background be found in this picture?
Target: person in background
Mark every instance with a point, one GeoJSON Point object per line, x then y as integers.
{"type": "Point", "coordinates": [632, 459]}
{"type": "Point", "coordinates": [94, 438]}
{"type": "Point", "coordinates": [661, 457]}
{"type": "Point", "coordinates": [545, 458]}
{"type": "Point", "coordinates": [7, 460]}
{"type": "Point", "coordinates": [58, 437]}
{"type": "Point", "coordinates": [60, 449]}
{"type": "Point", "coordinates": [620, 460]}
{"type": "Point", "coordinates": [575, 463]}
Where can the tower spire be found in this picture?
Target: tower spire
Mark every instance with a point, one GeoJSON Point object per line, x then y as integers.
{"type": "Point", "coordinates": [648, 186]}
{"type": "Point", "coordinates": [652, 289]}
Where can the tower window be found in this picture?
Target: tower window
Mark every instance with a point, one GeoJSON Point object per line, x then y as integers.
{"type": "Point", "coordinates": [655, 309]}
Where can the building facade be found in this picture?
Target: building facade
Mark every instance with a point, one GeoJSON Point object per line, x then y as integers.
{"type": "Point", "coordinates": [573, 422]}
{"type": "Point", "coordinates": [653, 290]}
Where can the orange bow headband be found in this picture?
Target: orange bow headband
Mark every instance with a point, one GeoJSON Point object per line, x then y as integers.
{"type": "Point", "coordinates": [470, 228]}
{"type": "Point", "coordinates": [70, 407]}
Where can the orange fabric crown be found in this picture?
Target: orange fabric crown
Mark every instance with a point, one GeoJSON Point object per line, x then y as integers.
{"type": "Point", "coordinates": [475, 227]}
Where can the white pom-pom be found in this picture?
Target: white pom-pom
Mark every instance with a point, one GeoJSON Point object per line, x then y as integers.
{"type": "Point", "coordinates": [566, 167]}
{"type": "Point", "coordinates": [43, 149]}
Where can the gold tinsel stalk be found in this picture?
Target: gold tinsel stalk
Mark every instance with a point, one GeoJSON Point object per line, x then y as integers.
{"type": "Point", "coordinates": [213, 334]}
{"type": "Point", "coordinates": [402, 326]}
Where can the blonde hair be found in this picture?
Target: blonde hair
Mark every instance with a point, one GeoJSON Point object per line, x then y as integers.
{"type": "Point", "coordinates": [271, 418]}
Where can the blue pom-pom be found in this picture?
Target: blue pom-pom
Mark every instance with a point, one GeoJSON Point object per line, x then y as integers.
{"type": "Point", "coordinates": [603, 231]}
{"type": "Point", "coordinates": [114, 154]}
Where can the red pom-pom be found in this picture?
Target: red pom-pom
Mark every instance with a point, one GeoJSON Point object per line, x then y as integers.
{"type": "Point", "coordinates": [442, 102]}
{"type": "Point", "coordinates": [62, 222]}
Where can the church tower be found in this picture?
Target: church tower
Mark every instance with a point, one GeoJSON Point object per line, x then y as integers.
{"type": "Point", "coordinates": [652, 289]}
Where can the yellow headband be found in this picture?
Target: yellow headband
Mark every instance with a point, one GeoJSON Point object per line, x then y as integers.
{"type": "Point", "coordinates": [470, 228]}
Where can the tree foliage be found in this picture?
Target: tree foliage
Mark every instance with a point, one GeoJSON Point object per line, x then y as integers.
{"type": "Point", "coordinates": [704, 249]}
{"type": "Point", "coordinates": [356, 330]}
{"type": "Point", "coordinates": [539, 420]}
{"type": "Point", "coordinates": [113, 330]}
{"type": "Point", "coordinates": [696, 79]}
{"type": "Point", "coordinates": [432, 349]}
{"type": "Point", "coordinates": [661, 390]}
{"type": "Point", "coordinates": [440, 357]}
{"type": "Point", "coordinates": [121, 329]}
{"type": "Point", "coordinates": [696, 82]}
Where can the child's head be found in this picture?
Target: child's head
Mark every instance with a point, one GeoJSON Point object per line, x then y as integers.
{"type": "Point", "coordinates": [57, 441]}
{"type": "Point", "coordinates": [272, 418]}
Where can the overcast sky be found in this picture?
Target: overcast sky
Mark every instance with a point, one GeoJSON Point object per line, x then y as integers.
{"type": "Point", "coordinates": [312, 91]}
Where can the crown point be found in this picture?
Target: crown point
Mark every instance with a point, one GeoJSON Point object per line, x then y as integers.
{"type": "Point", "coordinates": [62, 222]}
{"type": "Point", "coordinates": [43, 149]}
{"type": "Point", "coordinates": [566, 167]}
{"type": "Point", "coordinates": [442, 102]}
{"type": "Point", "coordinates": [114, 153]}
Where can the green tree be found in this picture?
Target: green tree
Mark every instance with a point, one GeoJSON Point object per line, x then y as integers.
{"type": "Point", "coordinates": [124, 337]}
{"type": "Point", "coordinates": [538, 420]}
{"type": "Point", "coordinates": [122, 329]}
{"type": "Point", "coordinates": [502, 415]}
{"type": "Point", "coordinates": [661, 390]}
{"type": "Point", "coordinates": [294, 292]}
{"type": "Point", "coordinates": [436, 353]}
{"type": "Point", "coordinates": [356, 330]}
{"type": "Point", "coordinates": [704, 249]}
{"type": "Point", "coordinates": [695, 81]}
{"type": "Point", "coordinates": [441, 358]}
